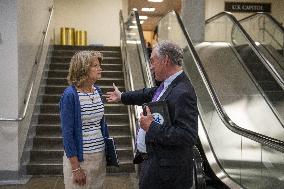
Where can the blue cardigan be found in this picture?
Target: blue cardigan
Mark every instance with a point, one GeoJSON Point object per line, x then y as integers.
{"type": "Point", "coordinates": [71, 124]}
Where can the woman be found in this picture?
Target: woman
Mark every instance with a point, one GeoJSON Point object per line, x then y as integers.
{"type": "Point", "coordinates": [83, 124]}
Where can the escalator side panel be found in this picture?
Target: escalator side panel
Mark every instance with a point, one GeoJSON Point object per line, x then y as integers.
{"type": "Point", "coordinates": [237, 93]}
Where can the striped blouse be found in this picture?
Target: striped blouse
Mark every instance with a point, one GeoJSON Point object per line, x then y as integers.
{"type": "Point", "coordinates": [92, 111]}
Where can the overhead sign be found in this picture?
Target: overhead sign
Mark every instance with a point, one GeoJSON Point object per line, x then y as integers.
{"type": "Point", "coordinates": [247, 7]}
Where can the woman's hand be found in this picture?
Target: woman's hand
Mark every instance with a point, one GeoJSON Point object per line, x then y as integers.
{"type": "Point", "coordinates": [79, 177]}
{"type": "Point", "coordinates": [114, 96]}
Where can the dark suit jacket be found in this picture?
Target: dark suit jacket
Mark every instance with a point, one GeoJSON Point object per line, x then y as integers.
{"type": "Point", "coordinates": [170, 147]}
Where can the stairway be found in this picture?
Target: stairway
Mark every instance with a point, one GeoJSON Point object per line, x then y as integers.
{"type": "Point", "coordinates": [47, 151]}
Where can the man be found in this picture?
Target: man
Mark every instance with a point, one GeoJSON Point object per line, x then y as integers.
{"type": "Point", "coordinates": [169, 148]}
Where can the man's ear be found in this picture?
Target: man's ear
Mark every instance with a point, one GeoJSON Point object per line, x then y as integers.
{"type": "Point", "coordinates": [167, 60]}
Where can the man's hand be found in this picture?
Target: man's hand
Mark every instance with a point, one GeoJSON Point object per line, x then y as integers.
{"type": "Point", "coordinates": [145, 121]}
{"type": "Point", "coordinates": [114, 96]}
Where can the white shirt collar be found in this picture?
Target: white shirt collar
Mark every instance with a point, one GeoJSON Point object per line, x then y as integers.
{"type": "Point", "coordinates": [169, 80]}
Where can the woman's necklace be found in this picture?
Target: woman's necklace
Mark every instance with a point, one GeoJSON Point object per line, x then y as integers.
{"type": "Point", "coordinates": [92, 98]}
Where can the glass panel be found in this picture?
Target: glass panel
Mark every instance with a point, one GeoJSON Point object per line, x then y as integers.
{"type": "Point", "coordinates": [135, 54]}
{"type": "Point", "coordinates": [268, 37]}
{"type": "Point", "coordinates": [233, 82]}
{"type": "Point", "coordinates": [251, 167]}
{"type": "Point", "coordinates": [263, 30]}
{"type": "Point", "coordinates": [272, 168]}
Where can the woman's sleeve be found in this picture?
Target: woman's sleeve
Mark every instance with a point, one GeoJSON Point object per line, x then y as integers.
{"type": "Point", "coordinates": [67, 114]}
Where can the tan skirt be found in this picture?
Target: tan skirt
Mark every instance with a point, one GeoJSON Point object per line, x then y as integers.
{"type": "Point", "coordinates": [95, 167]}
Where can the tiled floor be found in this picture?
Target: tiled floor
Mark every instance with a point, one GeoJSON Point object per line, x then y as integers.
{"type": "Point", "coordinates": [113, 181]}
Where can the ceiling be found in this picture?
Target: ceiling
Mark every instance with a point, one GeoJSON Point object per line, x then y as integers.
{"type": "Point", "coordinates": [161, 9]}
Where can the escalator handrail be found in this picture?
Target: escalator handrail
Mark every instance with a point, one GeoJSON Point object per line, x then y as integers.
{"type": "Point", "coordinates": [146, 72]}
{"type": "Point", "coordinates": [263, 60]}
{"type": "Point", "coordinates": [271, 142]}
{"type": "Point", "coordinates": [266, 14]}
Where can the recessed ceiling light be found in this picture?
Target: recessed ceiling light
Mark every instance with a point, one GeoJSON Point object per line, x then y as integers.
{"type": "Point", "coordinates": [135, 9]}
{"type": "Point", "coordinates": [148, 9]}
{"type": "Point", "coordinates": [156, 1]}
{"type": "Point", "coordinates": [133, 42]}
{"type": "Point", "coordinates": [134, 21]}
{"type": "Point", "coordinates": [131, 34]}
{"type": "Point", "coordinates": [143, 17]}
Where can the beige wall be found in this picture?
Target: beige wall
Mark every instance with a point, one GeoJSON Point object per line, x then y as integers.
{"type": "Point", "coordinates": [100, 18]}
{"type": "Point", "coordinates": [213, 7]}
{"type": "Point", "coordinates": [148, 36]}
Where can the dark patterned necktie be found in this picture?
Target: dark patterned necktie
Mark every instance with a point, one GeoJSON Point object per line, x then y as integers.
{"type": "Point", "coordinates": [158, 92]}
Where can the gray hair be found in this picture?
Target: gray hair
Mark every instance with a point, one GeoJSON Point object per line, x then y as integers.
{"type": "Point", "coordinates": [172, 50]}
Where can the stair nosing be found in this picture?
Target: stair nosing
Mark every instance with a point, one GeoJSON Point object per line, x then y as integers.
{"type": "Point", "coordinates": [104, 71]}
{"type": "Point", "coordinates": [116, 114]}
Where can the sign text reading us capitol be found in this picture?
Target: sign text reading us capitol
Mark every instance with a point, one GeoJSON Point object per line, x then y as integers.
{"type": "Point", "coordinates": [247, 7]}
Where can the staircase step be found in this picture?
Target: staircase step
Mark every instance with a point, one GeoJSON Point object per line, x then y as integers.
{"type": "Point", "coordinates": [70, 53]}
{"type": "Point", "coordinates": [66, 59]}
{"type": "Point", "coordinates": [96, 48]}
{"type": "Point", "coordinates": [109, 108]}
{"type": "Point", "coordinates": [49, 98]}
{"type": "Point", "coordinates": [56, 142]}
{"type": "Point", "coordinates": [45, 130]}
{"type": "Point", "coordinates": [103, 81]}
{"type": "Point", "coordinates": [53, 118]}
{"type": "Point", "coordinates": [104, 66]}
{"type": "Point", "coordinates": [56, 168]}
{"type": "Point", "coordinates": [44, 155]}
{"type": "Point", "coordinates": [64, 73]}
{"type": "Point", "coordinates": [59, 89]}
{"type": "Point", "coordinates": [34, 168]}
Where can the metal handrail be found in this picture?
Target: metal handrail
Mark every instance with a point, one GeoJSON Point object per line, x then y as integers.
{"type": "Point", "coordinates": [129, 80]}
{"type": "Point", "coordinates": [34, 71]}
{"type": "Point", "coordinates": [273, 20]}
{"type": "Point", "coordinates": [266, 14]}
{"type": "Point", "coordinates": [133, 110]}
{"type": "Point", "coordinates": [271, 142]}
{"type": "Point", "coordinates": [263, 60]}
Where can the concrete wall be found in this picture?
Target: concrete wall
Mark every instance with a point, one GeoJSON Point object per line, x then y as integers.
{"type": "Point", "coordinates": [21, 26]}
{"type": "Point", "coordinates": [29, 35]}
{"type": "Point", "coordinates": [8, 63]}
{"type": "Point", "coordinates": [100, 18]}
{"type": "Point", "coordinates": [29, 38]}
{"type": "Point", "coordinates": [222, 30]}
{"type": "Point", "coordinates": [9, 84]}
{"type": "Point", "coordinates": [214, 7]}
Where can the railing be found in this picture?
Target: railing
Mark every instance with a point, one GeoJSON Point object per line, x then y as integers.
{"type": "Point", "coordinates": [31, 80]}
{"type": "Point", "coordinates": [134, 111]}
{"type": "Point", "coordinates": [263, 60]}
{"type": "Point", "coordinates": [265, 140]}
{"type": "Point", "coordinates": [274, 21]}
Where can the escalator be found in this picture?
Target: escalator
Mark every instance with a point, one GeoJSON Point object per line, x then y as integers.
{"type": "Point", "coordinates": [241, 134]}
{"type": "Point", "coordinates": [268, 36]}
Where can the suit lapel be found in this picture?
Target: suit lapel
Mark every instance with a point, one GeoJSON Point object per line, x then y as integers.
{"type": "Point", "coordinates": [171, 86]}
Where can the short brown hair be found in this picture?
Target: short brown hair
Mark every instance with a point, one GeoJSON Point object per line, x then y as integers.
{"type": "Point", "coordinates": [80, 64]}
